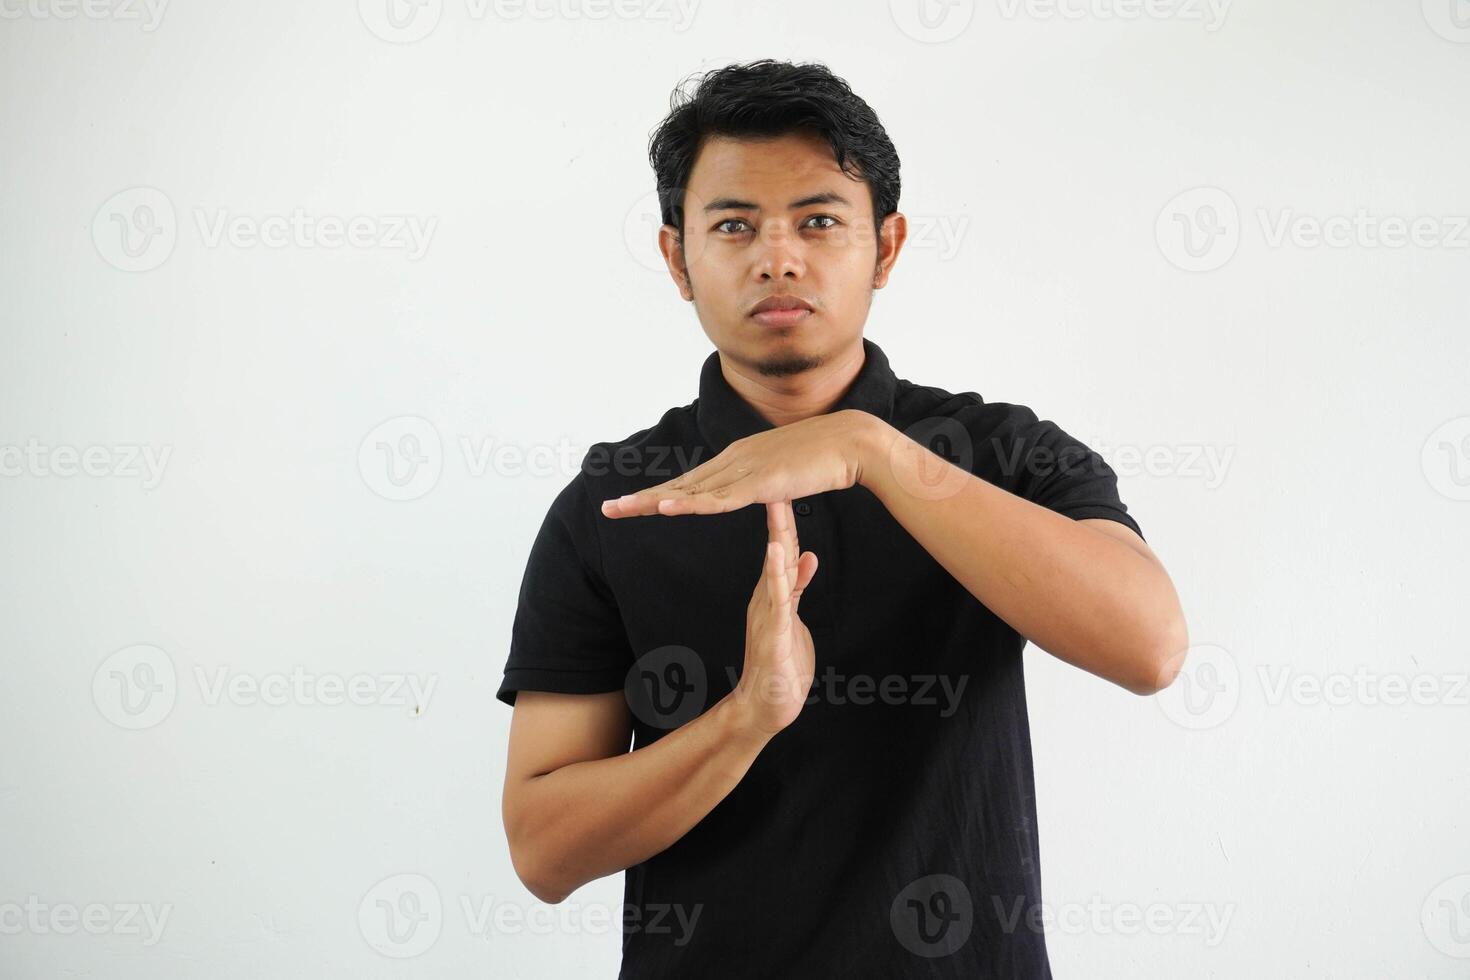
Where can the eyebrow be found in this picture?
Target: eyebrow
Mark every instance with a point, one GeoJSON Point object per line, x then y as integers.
{"type": "Point", "coordinates": [734, 204]}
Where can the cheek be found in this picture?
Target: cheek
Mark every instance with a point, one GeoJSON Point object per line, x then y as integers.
{"type": "Point", "coordinates": [853, 269]}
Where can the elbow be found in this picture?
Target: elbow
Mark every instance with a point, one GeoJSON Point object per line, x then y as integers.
{"type": "Point", "coordinates": [1165, 659]}
{"type": "Point", "coordinates": [550, 896]}
{"type": "Point", "coordinates": [534, 877]}
{"type": "Point", "coordinates": [529, 866]}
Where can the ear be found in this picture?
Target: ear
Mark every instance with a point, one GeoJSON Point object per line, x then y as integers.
{"type": "Point", "coordinates": [891, 236]}
{"type": "Point", "coordinates": [670, 247]}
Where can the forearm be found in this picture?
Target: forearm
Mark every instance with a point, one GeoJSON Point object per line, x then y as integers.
{"type": "Point", "coordinates": [1077, 593]}
{"type": "Point", "coordinates": [590, 819]}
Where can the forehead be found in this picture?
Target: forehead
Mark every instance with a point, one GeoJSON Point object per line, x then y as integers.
{"type": "Point", "coordinates": [750, 166]}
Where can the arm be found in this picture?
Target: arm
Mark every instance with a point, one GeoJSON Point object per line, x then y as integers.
{"type": "Point", "coordinates": [1090, 592]}
{"type": "Point", "coordinates": [577, 805]}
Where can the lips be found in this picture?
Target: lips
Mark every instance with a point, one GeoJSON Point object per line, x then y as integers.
{"type": "Point", "coordinates": [772, 303]}
{"type": "Point", "coordinates": [781, 311]}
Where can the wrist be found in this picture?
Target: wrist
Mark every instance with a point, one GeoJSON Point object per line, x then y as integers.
{"type": "Point", "coordinates": [737, 721]}
{"type": "Point", "coordinates": [872, 443]}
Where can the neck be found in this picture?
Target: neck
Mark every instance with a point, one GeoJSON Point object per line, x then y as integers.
{"type": "Point", "coordinates": [783, 400]}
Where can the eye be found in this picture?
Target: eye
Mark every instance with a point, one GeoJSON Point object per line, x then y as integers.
{"type": "Point", "coordinates": [721, 227]}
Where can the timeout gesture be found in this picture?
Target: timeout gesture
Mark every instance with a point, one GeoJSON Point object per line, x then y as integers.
{"type": "Point", "coordinates": [779, 659]}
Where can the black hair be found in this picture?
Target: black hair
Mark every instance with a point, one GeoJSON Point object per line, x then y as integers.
{"type": "Point", "coordinates": [767, 99]}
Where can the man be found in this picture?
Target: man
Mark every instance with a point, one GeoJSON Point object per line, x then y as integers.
{"type": "Point", "coordinates": [831, 765]}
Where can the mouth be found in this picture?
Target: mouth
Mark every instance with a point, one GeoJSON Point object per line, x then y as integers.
{"type": "Point", "coordinates": [781, 311]}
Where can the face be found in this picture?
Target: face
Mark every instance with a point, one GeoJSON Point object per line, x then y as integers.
{"type": "Point", "coordinates": [777, 217]}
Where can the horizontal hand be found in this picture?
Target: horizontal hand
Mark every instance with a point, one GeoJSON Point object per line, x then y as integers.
{"type": "Point", "coordinates": [821, 453]}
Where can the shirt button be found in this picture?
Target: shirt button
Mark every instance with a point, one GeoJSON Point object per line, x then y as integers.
{"type": "Point", "coordinates": [802, 507]}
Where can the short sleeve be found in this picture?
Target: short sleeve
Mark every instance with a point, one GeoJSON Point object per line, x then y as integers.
{"type": "Point", "coordinates": [1040, 461]}
{"type": "Point", "coordinates": [568, 634]}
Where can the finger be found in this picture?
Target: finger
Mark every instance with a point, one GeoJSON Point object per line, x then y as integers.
{"type": "Point", "coordinates": [775, 569]}
{"type": "Point", "coordinates": [645, 501]}
{"type": "Point", "coordinates": [779, 585]}
{"type": "Point", "coordinates": [773, 541]}
{"type": "Point", "coordinates": [781, 524]}
{"type": "Point", "coordinates": [807, 570]}
{"type": "Point", "coordinates": [789, 541]}
{"type": "Point", "coordinates": [780, 613]}
{"type": "Point", "coordinates": [637, 504]}
{"type": "Point", "coordinates": [722, 497]}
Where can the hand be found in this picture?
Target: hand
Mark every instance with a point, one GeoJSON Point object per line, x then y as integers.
{"type": "Point", "coordinates": [821, 453]}
{"type": "Point", "coordinates": [780, 661]}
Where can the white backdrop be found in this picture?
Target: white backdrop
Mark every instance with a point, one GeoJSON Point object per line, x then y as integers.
{"type": "Point", "coordinates": [308, 311]}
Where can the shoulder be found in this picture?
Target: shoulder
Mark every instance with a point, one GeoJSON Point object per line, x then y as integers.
{"type": "Point", "coordinates": [916, 404]}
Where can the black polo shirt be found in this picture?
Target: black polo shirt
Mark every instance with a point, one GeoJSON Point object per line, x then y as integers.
{"type": "Point", "coordinates": [890, 831]}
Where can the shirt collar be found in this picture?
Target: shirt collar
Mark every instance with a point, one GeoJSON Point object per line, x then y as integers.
{"type": "Point", "coordinates": [724, 416]}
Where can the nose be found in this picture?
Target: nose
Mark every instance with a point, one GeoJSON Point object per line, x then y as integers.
{"type": "Point", "coordinates": [779, 253]}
